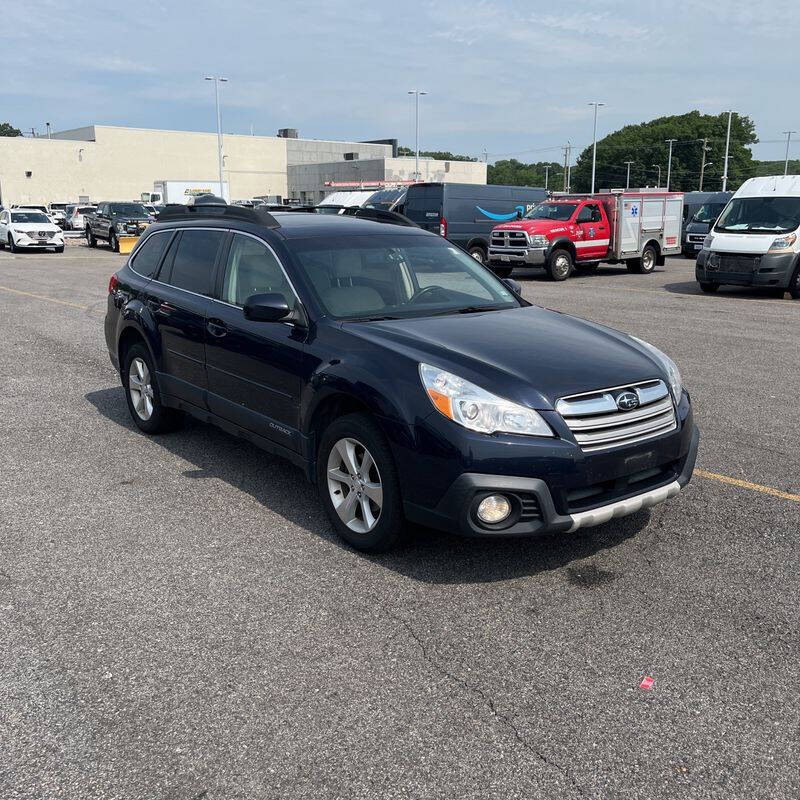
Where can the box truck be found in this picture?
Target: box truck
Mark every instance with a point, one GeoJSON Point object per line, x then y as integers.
{"type": "Point", "coordinates": [166, 192]}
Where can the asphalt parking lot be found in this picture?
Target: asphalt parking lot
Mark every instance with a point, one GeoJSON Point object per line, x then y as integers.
{"type": "Point", "coordinates": [177, 620]}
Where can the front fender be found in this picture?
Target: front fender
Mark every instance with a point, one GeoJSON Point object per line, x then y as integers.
{"type": "Point", "coordinates": [562, 243]}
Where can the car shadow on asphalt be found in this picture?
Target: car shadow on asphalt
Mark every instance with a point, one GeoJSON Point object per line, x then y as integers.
{"type": "Point", "coordinates": [425, 555]}
{"type": "Point", "coordinates": [739, 292]}
{"type": "Point", "coordinates": [540, 276]}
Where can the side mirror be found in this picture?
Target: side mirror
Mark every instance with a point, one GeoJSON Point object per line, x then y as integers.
{"type": "Point", "coordinates": [513, 285]}
{"type": "Point", "coordinates": [266, 308]}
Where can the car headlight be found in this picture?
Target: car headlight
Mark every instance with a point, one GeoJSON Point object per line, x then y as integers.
{"type": "Point", "coordinates": [538, 240]}
{"type": "Point", "coordinates": [475, 408]}
{"type": "Point", "coordinates": [783, 242]}
{"type": "Point", "coordinates": [707, 242]}
{"type": "Point", "coordinates": [673, 373]}
{"type": "Point", "coordinates": [21, 232]}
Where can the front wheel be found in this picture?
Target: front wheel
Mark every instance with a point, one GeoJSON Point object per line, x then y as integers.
{"type": "Point", "coordinates": [113, 242]}
{"type": "Point", "coordinates": [90, 239]}
{"type": "Point", "coordinates": [478, 253]}
{"type": "Point", "coordinates": [60, 249]}
{"type": "Point", "coordinates": [11, 246]}
{"type": "Point", "coordinates": [560, 265]}
{"type": "Point", "coordinates": [358, 484]}
{"type": "Point", "coordinates": [708, 287]}
{"type": "Point", "coordinates": [794, 285]}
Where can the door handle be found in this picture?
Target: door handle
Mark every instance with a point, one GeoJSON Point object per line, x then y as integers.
{"type": "Point", "coordinates": [160, 308]}
{"type": "Point", "coordinates": [216, 327]}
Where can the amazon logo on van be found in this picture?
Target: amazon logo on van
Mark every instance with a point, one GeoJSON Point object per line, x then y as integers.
{"type": "Point", "coordinates": [502, 217]}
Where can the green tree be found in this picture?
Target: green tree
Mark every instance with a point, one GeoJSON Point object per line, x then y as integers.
{"type": "Point", "coordinates": [763, 168]}
{"type": "Point", "coordinates": [645, 145]}
{"type": "Point", "coordinates": [7, 129]}
{"type": "Point", "coordinates": [511, 172]}
{"type": "Point", "coordinates": [440, 155]}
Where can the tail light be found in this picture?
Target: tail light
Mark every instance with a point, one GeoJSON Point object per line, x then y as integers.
{"type": "Point", "coordinates": [442, 227]}
{"type": "Point", "coordinates": [112, 284]}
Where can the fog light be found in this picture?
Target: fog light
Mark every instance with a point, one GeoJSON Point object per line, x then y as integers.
{"type": "Point", "coordinates": [493, 509]}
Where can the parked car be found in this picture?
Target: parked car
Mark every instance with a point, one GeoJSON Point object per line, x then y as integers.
{"type": "Point", "coordinates": [24, 228]}
{"type": "Point", "coordinates": [756, 239]}
{"type": "Point", "coordinates": [110, 221]}
{"type": "Point", "coordinates": [465, 213]}
{"type": "Point", "coordinates": [56, 212]}
{"type": "Point", "coordinates": [704, 217]}
{"type": "Point", "coordinates": [76, 217]}
{"type": "Point", "coordinates": [376, 357]}
{"type": "Point", "coordinates": [637, 227]}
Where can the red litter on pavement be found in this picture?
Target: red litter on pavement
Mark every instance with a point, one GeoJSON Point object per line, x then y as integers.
{"type": "Point", "coordinates": [647, 682]}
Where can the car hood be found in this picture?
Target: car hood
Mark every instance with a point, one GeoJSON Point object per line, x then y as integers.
{"type": "Point", "coordinates": [530, 355]}
{"type": "Point", "coordinates": [752, 243]}
{"type": "Point", "coordinates": [536, 226]}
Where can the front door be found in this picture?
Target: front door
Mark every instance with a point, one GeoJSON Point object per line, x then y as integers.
{"type": "Point", "coordinates": [254, 367]}
{"type": "Point", "coordinates": [592, 241]}
{"type": "Point", "coordinates": [178, 301]}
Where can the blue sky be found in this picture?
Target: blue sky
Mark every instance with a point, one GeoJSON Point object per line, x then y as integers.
{"type": "Point", "coordinates": [510, 77]}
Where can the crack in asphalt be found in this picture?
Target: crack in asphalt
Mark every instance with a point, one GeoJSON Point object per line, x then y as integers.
{"type": "Point", "coordinates": [504, 718]}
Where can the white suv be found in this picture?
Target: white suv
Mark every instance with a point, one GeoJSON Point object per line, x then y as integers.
{"type": "Point", "coordinates": [22, 228]}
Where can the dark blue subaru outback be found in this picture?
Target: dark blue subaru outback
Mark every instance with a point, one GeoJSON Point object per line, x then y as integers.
{"type": "Point", "coordinates": [402, 376]}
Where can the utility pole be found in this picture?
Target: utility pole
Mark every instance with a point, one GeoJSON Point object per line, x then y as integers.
{"type": "Point", "coordinates": [727, 150]}
{"type": "Point", "coordinates": [417, 93]}
{"type": "Point", "coordinates": [217, 81]}
{"type": "Point", "coordinates": [566, 159]}
{"type": "Point", "coordinates": [594, 140]}
{"type": "Point", "coordinates": [786, 161]}
{"type": "Point", "coordinates": [628, 178]}
{"type": "Point", "coordinates": [703, 162]}
{"type": "Point", "coordinates": [670, 142]}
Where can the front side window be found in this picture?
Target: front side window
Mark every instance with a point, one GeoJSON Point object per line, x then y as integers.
{"type": "Point", "coordinates": [561, 212]}
{"type": "Point", "coordinates": [708, 212]}
{"type": "Point", "coordinates": [193, 262]}
{"type": "Point", "coordinates": [148, 256]}
{"type": "Point", "coordinates": [128, 209]}
{"type": "Point", "coordinates": [396, 276]}
{"type": "Point", "coordinates": [760, 215]}
{"type": "Point", "coordinates": [253, 269]}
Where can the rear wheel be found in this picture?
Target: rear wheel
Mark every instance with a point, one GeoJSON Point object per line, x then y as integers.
{"type": "Point", "coordinates": [708, 287]}
{"type": "Point", "coordinates": [90, 240]}
{"type": "Point", "coordinates": [560, 265]}
{"type": "Point", "coordinates": [358, 484]}
{"type": "Point", "coordinates": [646, 264]}
{"type": "Point", "coordinates": [478, 253]}
{"type": "Point", "coordinates": [143, 395]}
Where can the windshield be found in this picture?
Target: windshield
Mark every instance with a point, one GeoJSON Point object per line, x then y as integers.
{"type": "Point", "coordinates": [760, 214]}
{"type": "Point", "coordinates": [29, 216]}
{"type": "Point", "coordinates": [708, 212]}
{"type": "Point", "coordinates": [557, 211]}
{"type": "Point", "coordinates": [396, 277]}
{"type": "Point", "coordinates": [128, 209]}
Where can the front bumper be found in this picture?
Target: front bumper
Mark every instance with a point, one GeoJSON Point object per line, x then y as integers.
{"type": "Point", "coordinates": [535, 510]}
{"type": "Point", "coordinates": [768, 270]}
{"type": "Point", "coordinates": [503, 256]}
{"type": "Point", "coordinates": [54, 241]}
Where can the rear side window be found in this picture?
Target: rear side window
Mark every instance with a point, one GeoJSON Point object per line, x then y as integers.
{"type": "Point", "coordinates": [147, 259]}
{"type": "Point", "coordinates": [193, 262]}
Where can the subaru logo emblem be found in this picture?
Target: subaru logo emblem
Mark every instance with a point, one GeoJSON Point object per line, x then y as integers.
{"type": "Point", "coordinates": [627, 401]}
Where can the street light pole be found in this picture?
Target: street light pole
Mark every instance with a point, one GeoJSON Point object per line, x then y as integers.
{"type": "Point", "coordinates": [594, 140]}
{"type": "Point", "coordinates": [217, 80]}
{"type": "Point", "coordinates": [417, 93]}
{"type": "Point", "coordinates": [628, 178]}
{"type": "Point", "coordinates": [546, 175]}
{"type": "Point", "coordinates": [658, 167]}
{"type": "Point", "coordinates": [786, 161]}
{"type": "Point", "coordinates": [727, 150]}
{"type": "Point", "coordinates": [670, 142]}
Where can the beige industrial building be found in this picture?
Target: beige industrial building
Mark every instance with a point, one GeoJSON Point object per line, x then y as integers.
{"type": "Point", "coordinates": [100, 162]}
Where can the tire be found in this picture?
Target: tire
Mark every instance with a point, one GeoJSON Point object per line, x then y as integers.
{"type": "Point", "coordinates": [152, 417]}
{"type": "Point", "coordinates": [90, 239]}
{"type": "Point", "coordinates": [708, 287]}
{"type": "Point", "coordinates": [479, 254]}
{"type": "Point", "coordinates": [60, 249]}
{"type": "Point", "coordinates": [794, 285]}
{"type": "Point", "coordinates": [501, 272]}
{"type": "Point", "coordinates": [113, 242]}
{"type": "Point", "coordinates": [560, 265]}
{"type": "Point", "coordinates": [646, 264]}
{"type": "Point", "coordinates": [378, 488]}
{"type": "Point", "coordinates": [11, 246]}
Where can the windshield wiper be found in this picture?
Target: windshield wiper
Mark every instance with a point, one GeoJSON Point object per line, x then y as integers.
{"type": "Point", "coordinates": [465, 310]}
{"type": "Point", "coordinates": [373, 319]}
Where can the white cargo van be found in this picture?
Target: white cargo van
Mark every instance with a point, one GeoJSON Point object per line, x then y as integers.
{"type": "Point", "coordinates": [756, 240]}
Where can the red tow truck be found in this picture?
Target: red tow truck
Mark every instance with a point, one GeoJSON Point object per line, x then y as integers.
{"type": "Point", "coordinates": [637, 227]}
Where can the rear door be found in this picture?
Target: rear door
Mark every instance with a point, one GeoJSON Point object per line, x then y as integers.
{"type": "Point", "coordinates": [254, 367]}
{"type": "Point", "coordinates": [178, 301]}
{"type": "Point", "coordinates": [424, 205]}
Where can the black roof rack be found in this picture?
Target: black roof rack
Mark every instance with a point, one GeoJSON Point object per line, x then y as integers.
{"type": "Point", "coordinates": [221, 210]}
{"type": "Point", "coordinates": [379, 215]}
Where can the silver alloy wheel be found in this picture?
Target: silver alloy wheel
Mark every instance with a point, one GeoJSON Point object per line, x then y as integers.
{"type": "Point", "coordinates": [477, 255]}
{"type": "Point", "coordinates": [354, 485]}
{"type": "Point", "coordinates": [140, 388]}
{"type": "Point", "coordinates": [648, 260]}
{"type": "Point", "coordinates": [561, 266]}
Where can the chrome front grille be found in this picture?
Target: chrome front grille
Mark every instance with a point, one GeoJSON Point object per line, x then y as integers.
{"type": "Point", "coordinates": [508, 239]}
{"type": "Point", "coordinates": [697, 238]}
{"type": "Point", "coordinates": [597, 423]}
